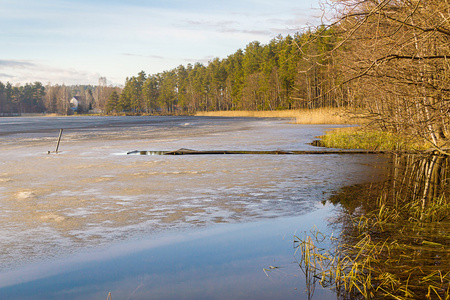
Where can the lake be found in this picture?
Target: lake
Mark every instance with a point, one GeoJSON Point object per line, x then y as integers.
{"type": "Point", "coordinates": [92, 220]}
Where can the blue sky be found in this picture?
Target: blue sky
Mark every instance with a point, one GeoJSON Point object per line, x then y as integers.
{"type": "Point", "coordinates": [76, 42]}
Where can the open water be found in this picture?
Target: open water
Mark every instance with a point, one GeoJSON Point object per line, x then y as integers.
{"type": "Point", "coordinates": [91, 219]}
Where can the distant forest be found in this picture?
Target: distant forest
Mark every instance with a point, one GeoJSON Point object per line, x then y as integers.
{"type": "Point", "coordinates": [36, 98]}
{"type": "Point", "coordinates": [260, 77]}
{"type": "Point", "coordinates": [390, 60]}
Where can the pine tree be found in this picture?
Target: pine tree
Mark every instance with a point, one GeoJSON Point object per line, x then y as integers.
{"type": "Point", "coordinates": [113, 102]}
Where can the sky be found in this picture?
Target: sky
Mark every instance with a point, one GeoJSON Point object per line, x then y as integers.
{"type": "Point", "coordinates": [77, 41]}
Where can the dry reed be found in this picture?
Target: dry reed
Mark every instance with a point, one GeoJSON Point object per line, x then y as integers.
{"type": "Point", "coordinates": [304, 116]}
{"type": "Point", "coordinates": [388, 255]}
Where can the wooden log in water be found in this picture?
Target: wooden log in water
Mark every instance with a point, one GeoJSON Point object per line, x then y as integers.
{"type": "Point", "coordinates": [270, 152]}
{"type": "Point", "coordinates": [275, 152]}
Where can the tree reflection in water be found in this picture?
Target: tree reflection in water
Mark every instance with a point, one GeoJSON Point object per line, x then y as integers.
{"type": "Point", "coordinates": [394, 240]}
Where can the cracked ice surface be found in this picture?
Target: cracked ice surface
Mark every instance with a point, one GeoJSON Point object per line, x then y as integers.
{"type": "Point", "coordinates": [88, 195]}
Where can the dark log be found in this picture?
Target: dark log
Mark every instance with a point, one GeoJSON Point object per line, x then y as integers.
{"type": "Point", "coordinates": [183, 151]}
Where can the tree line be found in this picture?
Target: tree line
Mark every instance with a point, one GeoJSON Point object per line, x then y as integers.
{"type": "Point", "coordinates": [14, 99]}
{"type": "Point", "coordinates": [37, 98]}
{"type": "Point", "coordinates": [260, 77]}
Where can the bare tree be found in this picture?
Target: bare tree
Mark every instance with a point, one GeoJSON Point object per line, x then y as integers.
{"type": "Point", "coordinates": [394, 62]}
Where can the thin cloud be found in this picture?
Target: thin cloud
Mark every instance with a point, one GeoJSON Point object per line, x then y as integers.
{"type": "Point", "coordinates": [31, 72]}
{"type": "Point", "coordinates": [205, 60]}
{"type": "Point", "coordinates": [214, 24]}
{"type": "Point", "coordinates": [141, 55]}
{"type": "Point", "coordinates": [232, 27]}
{"type": "Point", "coordinates": [15, 64]}
{"type": "Point", "coordinates": [3, 75]}
{"type": "Point", "coordinates": [250, 32]}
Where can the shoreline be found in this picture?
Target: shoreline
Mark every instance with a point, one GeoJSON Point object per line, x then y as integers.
{"type": "Point", "coordinates": [352, 136]}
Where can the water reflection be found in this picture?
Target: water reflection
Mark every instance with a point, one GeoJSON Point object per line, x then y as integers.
{"type": "Point", "coordinates": [225, 261]}
{"type": "Point", "coordinates": [395, 239]}
{"type": "Point", "coordinates": [421, 178]}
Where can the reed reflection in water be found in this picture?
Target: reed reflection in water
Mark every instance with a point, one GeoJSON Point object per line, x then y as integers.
{"type": "Point", "coordinates": [395, 236]}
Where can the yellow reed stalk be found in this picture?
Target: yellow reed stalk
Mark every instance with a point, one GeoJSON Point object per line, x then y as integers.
{"type": "Point", "coordinates": [329, 115]}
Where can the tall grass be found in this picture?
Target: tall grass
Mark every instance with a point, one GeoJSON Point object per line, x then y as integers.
{"type": "Point", "coordinates": [304, 116]}
{"type": "Point", "coordinates": [328, 115]}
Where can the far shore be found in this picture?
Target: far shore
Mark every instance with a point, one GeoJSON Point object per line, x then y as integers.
{"type": "Point", "coordinates": [302, 116]}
